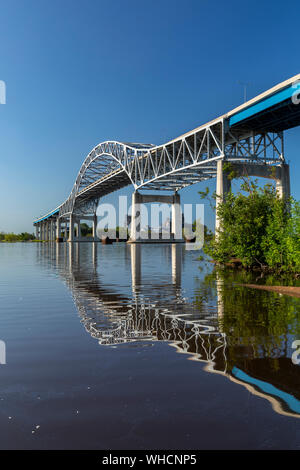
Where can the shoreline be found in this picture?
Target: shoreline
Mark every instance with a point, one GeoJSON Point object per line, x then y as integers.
{"type": "Point", "coordinates": [284, 290]}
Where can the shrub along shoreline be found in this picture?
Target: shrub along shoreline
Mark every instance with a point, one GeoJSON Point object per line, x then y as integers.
{"type": "Point", "coordinates": [258, 230]}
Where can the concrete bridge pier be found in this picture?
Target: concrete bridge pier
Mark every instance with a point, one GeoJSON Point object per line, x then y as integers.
{"type": "Point", "coordinates": [176, 215]}
{"type": "Point", "coordinates": [46, 232]}
{"type": "Point", "coordinates": [94, 232]}
{"type": "Point", "coordinates": [75, 227]}
{"type": "Point", "coordinates": [71, 229]}
{"type": "Point", "coordinates": [223, 186]}
{"type": "Point", "coordinates": [43, 231]}
{"type": "Point", "coordinates": [176, 227]}
{"type": "Point", "coordinates": [280, 173]}
{"type": "Point", "coordinates": [58, 229]}
{"type": "Point", "coordinates": [52, 230]}
{"type": "Point", "coordinates": [135, 217]}
{"type": "Point", "coordinates": [54, 225]}
{"type": "Point", "coordinates": [283, 186]}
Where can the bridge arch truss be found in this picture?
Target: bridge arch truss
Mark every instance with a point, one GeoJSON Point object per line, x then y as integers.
{"type": "Point", "coordinates": [177, 164]}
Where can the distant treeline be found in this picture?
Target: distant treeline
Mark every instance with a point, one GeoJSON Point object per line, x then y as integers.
{"type": "Point", "coordinates": [16, 237]}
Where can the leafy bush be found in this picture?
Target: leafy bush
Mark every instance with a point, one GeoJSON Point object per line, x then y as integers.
{"type": "Point", "coordinates": [258, 228]}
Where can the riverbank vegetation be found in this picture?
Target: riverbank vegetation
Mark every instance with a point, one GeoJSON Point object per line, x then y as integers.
{"type": "Point", "coordinates": [258, 229]}
{"type": "Point", "coordinates": [16, 237]}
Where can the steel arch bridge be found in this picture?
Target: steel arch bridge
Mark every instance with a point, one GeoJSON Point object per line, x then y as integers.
{"type": "Point", "coordinates": [250, 135]}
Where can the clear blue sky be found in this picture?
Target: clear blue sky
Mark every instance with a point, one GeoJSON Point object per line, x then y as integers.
{"type": "Point", "coordinates": [81, 72]}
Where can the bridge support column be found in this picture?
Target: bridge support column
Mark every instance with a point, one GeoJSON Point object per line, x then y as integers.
{"type": "Point", "coordinates": [71, 229]}
{"type": "Point", "coordinates": [283, 182]}
{"type": "Point", "coordinates": [46, 230]}
{"type": "Point", "coordinates": [51, 230]}
{"type": "Point", "coordinates": [54, 229]}
{"type": "Point", "coordinates": [94, 230]}
{"type": "Point", "coordinates": [58, 229]}
{"type": "Point", "coordinates": [176, 218]}
{"type": "Point", "coordinates": [280, 173]}
{"type": "Point", "coordinates": [176, 226]}
{"type": "Point", "coordinates": [135, 216]}
{"type": "Point", "coordinates": [222, 188]}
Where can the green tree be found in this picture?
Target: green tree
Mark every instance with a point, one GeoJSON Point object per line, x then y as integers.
{"type": "Point", "coordinates": [25, 236]}
{"type": "Point", "coordinates": [258, 228]}
{"type": "Point", "coordinates": [85, 229]}
{"type": "Point", "coordinates": [11, 237]}
{"type": "Point", "coordinates": [14, 237]}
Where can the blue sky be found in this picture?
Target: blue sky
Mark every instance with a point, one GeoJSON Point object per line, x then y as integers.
{"type": "Point", "coordinates": [81, 72]}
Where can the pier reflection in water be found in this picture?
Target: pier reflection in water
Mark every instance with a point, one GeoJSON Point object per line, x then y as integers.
{"type": "Point", "coordinates": [244, 334]}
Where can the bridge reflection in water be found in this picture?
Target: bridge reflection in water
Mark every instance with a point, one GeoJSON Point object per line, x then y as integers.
{"type": "Point", "coordinates": [245, 335]}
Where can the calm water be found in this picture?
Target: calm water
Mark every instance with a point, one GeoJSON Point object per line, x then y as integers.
{"type": "Point", "coordinates": [142, 347]}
